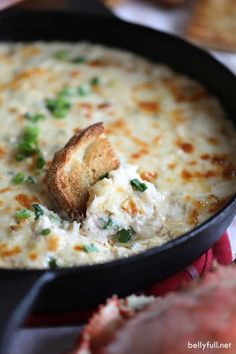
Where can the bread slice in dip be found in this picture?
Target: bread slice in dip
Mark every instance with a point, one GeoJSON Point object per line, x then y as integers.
{"type": "Point", "coordinates": [76, 167]}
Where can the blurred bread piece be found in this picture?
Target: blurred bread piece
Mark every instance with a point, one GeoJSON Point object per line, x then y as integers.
{"type": "Point", "coordinates": [213, 24]}
{"type": "Point", "coordinates": [76, 167]}
{"type": "Point", "coordinates": [168, 3]}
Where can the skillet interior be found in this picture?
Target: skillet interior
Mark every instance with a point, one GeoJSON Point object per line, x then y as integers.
{"type": "Point", "coordinates": [90, 285]}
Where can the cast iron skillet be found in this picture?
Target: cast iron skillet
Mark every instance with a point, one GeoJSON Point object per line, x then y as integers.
{"type": "Point", "coordinates": [68, 289]}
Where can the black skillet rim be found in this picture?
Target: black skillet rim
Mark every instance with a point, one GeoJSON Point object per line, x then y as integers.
{"type": "Point", "coordinates": [172, 243]}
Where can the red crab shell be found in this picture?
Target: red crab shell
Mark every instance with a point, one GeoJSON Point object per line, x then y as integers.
{"type": "Point", "coordinates": [109, 318]}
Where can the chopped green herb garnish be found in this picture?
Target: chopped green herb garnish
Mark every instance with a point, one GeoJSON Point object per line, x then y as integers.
{"type": "Point", "coordinates": [40, 162]}
{"type": "Point", "coordinates": [23, 214]}
{"type": "Point", "coordinates": [83, 90]}
{"type": "Point", "coordinates": [19, 178]}
{"type": "Point", "coordinates": [31, 133]}
{"type": "Point", "coordinates": [29, 143]}
{"type": "Point", "coordinates": [45, 232]}
{"type": "Point", "coordinates": [125, 235]}
{"type": "Point", "coordinates": [95, 81]}
{"type": "Point", "coordinates": [138, 185]}
{"type": "Point", "coordinates": [68, 92]}
{"type": "Point", "coordinates": [31, 179]}
{"type": "Point", "coordinates": [108, 224]}
{"type": "Point", "coordinates": [38, 211]}
{"type": "Point", "coordinates": [55, 218]}
{"type": "Point", "coordinates": [59, 107]}
{"type": "Point", "coordinates": [90, 248]}
{"type": "Point", "coordinates": [34, 117]}
{"type": "Point", "coordinates": [61, 54]}
{"type": "Point", "coordinates": [53, 263]}
{"type": "Point", "coordinates": [79, 60]}
{"type": "Point", "coordinates": [106, 175]}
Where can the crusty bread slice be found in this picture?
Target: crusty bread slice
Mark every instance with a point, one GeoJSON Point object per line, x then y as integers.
{"type": "Point", "coordinates": [214, 24]}
{"type": "Point", "coordinates": [84, 159]}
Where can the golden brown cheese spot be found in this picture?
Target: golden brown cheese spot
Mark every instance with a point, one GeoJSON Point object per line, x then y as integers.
{"type": "Point", "coordinates": [172, 166]}
{"type": "Point", "coordinates": [213, 141]}
{"type": "Point", "coordinates": [25, 200]}
{"type": "Point", "coordinates": [30, 51]}
{"type": "Point", "coordinates": [6, 251]}
{"type": "Point", "coordinates": [149, 106]}
{"type": "Point", "coordinates": [192, 162]}
{"type": "Point", "coordinates": [157, 139]}
{"type": "Point", "coordinates": [97, 63]}
{"type": "Point", "coordinates": [182, 93]}
{"type": "Point", "coordinates": [185, 146]}
{"type": "Point", "coordinates": [205, 157]}
{"type": "Point", "coordinates": [144, 86]}
{"type": "Point", "coordinates": [27, 75]}
{"type": "Point", "coordinates": [139, 141]}
{"type": "Point", "coordinates": [77, 130]}
{"type": "Point", "coordinates": [53, 243]}
{"type": "Point", "coordinates": [33, 256]}
{"type": "Point", "coordinates": [120, 190]}
{"type": "Point", "coordinates": [216, 203]}
{"type": "Point", "coordinates": [2, 152]}
{"type": "Point", "coordinates": [130, 207]}
{"type": "Point", "coordinates": [193, 217]}
{"type": "Point", "coordinates": [140, 153]}
{"type": "Point", "coordinates": [4, 190]}
{"type": "Point", "coordinates": [149, 176]}
{"type": "Point", "coordinates": [229, 172]}
{"type": "Point", "coordinates": [178, 116]}
{"type": "Point", "coordinates": [78, 248]}
{"type": "Point", "coordinates": [15, 227]}
{"type": "Point", "coordinates": [1, 100]}
{"type": "Point", "coordinates": [103, 105]}
{"type": "Point", "coordinates": [186, 175]}
{"type": "Point", "coordinates": [75, 73]}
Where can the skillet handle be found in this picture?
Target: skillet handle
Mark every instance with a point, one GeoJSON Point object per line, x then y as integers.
{"type": "Point", "coordinates": [95, 7]}
{"type": "Point", "coordinates": [18, 292]}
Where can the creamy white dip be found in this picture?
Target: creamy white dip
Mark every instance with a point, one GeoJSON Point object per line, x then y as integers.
{"type": "Point", "coordinates": [168, 131]}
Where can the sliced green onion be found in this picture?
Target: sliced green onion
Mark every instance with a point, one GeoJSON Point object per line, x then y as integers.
{"type": "Point", "coordinates": [34, 117]}
{"type": "Point", "coordinates": [68, 92]}
{"type": "Point", "coordinates": [55, 218]}
{"type": "Point", "coordinates": [53, 263]}
{"type": "Point", "coordinates": [90, 248]}
{"type": "Point", "coordinates": [108, 224]}
{"type": "Point", "coordinates": [19, 178]}
{"type": "Point", "coordinates": [40, 162]}
{"type": "Point", "coordinates": [59, 107]}
{"type": "Point", "coordinates": [138, 185]}
{"type": "Point", "coordinates": [23, 214]}
{"type": "Point", "coordinates": [83, 90]}
{"type": "Point", "coordinates": [31, 179]}
{"type": "Point", "coordinates": [79, 60]}
{"type": "Point", "coordinates": [125, 235]}
{"type": "Point", "coordinates": [38, 211]}
{"type": "Point", "coordinates": [61, 54]}
{"type": "Point", "coordinates": [45, 232]}
{"type": "Point", "coordinates": [95, 81]}
{"type": "Point", "coordinates": [29, 143]}
{"type": "Point", "coordinates": [106, 175]}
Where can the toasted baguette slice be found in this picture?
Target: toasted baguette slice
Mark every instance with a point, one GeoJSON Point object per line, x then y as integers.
{"type": "Point", "coordinates": [170, 2]}
{"type": "Point", "coordinates": [214, 24]}
{"type": "Point", "coordinates": [86, 157]}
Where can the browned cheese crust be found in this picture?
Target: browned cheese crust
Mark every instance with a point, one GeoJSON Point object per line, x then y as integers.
{"type": "Point", "coordinates": [84, 159]}
{"type": "Point", "coordinates": [214, 24]}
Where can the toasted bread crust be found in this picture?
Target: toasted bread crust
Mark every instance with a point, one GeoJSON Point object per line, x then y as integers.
{"type": "Point", "coordinates": [214, 24]}
{"type": "Point", "coordinates": [86, 157]}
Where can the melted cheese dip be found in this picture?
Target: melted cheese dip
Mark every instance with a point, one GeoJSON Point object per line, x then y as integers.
{"type": "Point", "coordinates": [167, 125]}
